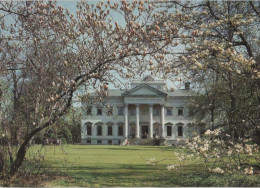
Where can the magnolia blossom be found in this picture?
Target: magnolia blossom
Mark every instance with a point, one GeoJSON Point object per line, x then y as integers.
{"type": "Point", "coordinates": [151, 161]}
{"type": "Point", "coordinates": [218, 170]}
{"type": "Point", "coordinates": [171, 167]}
{"type": "Point", "coordinates": [249, 171]}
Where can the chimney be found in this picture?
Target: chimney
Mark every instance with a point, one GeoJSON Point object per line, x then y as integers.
{"type": "Point", "coordinates": [187, 86]}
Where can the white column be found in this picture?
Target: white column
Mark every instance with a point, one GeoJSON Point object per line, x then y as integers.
{"type": "Point", "coordinates": [162, 119]}
{"type": "Point", "coordinates": [151, 121]}
{"type": "Point", "coordinates": [126, 120]}
{"type": "Point", "coordinates": [137, 134]}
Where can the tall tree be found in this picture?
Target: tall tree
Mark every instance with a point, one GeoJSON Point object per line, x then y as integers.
{"type": "Point", "coordinates": [47, 54]}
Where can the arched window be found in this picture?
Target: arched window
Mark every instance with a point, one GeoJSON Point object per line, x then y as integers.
{"type": "Point", "coordinates": [180, 129]}
{"type": "Point", "coordinates": [89, 130]}
{"type": "Point", "coordinates": [99, 130]}
{"type": "Point", "coordinates": [120, 130]}
{"type": "Point", "coordinates": [169, 128]}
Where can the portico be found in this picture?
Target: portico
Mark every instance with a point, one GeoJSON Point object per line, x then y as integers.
{"type": "Point", "coordinates": [144, 98]}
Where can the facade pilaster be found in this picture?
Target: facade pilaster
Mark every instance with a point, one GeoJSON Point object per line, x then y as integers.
{"type": "Point", "coordinates": [126, 121]}
{"type": "Point", "coordinates": [151, 121]}
{"type": "Point", "coordinates": [137, 131]}
{"type": "Point", "coordinates": [162, 120]}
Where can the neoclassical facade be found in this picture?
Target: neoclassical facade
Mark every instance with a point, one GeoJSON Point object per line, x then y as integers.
{"type": "Point", "coordinates": [145, 111]}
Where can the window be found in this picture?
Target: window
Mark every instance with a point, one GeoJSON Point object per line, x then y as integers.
{"type": "Point", "coordinates": [132, 111]}
{"type": "Point", "coordinates": [169, 130]}
{"type": "Point", "coordinates": [99, 112]}
{"type": "Point", "coordinates": [88, 141]}
{"type": "Point", "coordinates": [169, 111]}
{"type": "Point", "coordinates": [89, 130]}
{"type": "Point", "coordinates": [180, 130]}
{"type": "Point", "coordinates": [99, 141]}
{"type": "Point", "coordinates": [156, 111]}
{"type": "Point", "coordinates": [180, 111]}
{"type": "Point", "coordinates": [120, 130]}
{"type": "Point", "coordinates": [99, 130]}
{"type": "Point", "coordinates": [109, 142]}
{"type": "Point", "coordinates": [120, 111]}
{"type": "Point", "coordinates": [89, 111]}
{"type": "Point", "coordinates": [110, 131]}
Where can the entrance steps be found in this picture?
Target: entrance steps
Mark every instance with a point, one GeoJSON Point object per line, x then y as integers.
{"type": "Point", "coordinates": [144, 142]}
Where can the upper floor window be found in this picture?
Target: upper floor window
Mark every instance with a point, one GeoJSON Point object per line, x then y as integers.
{"type": "Point", "coordinates": [99, 130]}
{"type": "Point", "coordinates": [132, 111]}
{"type": "Point", "coordinates": [99, 112]}
{"type": "Point", "coordinates": [89, 111]}
{"type": "Point", "coordinates": [168, 111]}
{"type": "Point", "coordinates": [180, 111]}
{"type": "Point", "coordinates": [180, 130]}
{"type": "Point", "coordinates": [120, 111]}
{"type": "Point", "coordinates": [89, 130]}
{"type": "Point", "coordinates": [109, 130]}
{"type": "Point", "coordinates": [156, 111]}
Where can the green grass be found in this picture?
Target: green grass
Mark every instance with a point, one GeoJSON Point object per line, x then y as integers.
{"type": "Point", "coordinates": [105, 166]}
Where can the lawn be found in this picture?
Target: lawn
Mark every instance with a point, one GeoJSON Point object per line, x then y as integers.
{"type": "Point", "coordinates": [105, 166]}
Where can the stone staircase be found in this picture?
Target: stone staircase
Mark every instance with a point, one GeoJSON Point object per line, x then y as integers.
{"type": "Point", "coordinates": [144, 142]}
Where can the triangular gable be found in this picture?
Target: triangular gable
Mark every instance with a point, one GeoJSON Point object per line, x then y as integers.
{"type": "Point", "coordinates": [144, 89]}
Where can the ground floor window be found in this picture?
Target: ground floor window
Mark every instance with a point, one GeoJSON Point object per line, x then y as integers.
{"type": "Point", "coordinates": [109, 142]}
{"type": "Point", "coordinates": [99, 141]}
{"type": "Point", "coordinates": [89, 132]}
{"type": "Point", "coordinates": [109, 130]}
{"type": "Point", "coordinates": [120, 130]}
{"type": "Point", "coordinates": [169, 130]}
{"type": "Point", "coordinates": [180, 130]}
{"type": "Point", "coordinates": [99, 130]}
{"type": "Point", "coordinates": [88, 141]}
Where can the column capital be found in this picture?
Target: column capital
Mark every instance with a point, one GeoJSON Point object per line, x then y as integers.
{"type": "Point", "coordinates": [162, 104]}
{"type": "Point", "coordinates": [151, 105]}
{"type": "Point", "coordinates": [126, 104]}
{"type": "Point", "coordinates": [137, 104]}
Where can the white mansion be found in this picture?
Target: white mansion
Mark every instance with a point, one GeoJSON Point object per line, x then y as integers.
{"type": "Point", "coordinates": [143, 112]}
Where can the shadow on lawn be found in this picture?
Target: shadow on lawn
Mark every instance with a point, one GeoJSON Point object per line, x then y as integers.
{"type": "Point", "coordinates": [125, 175]}
{"type": "Point", "coordinates": [123, 148]}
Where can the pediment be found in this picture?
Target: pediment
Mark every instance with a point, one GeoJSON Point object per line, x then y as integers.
{"type": "Point", "coordinates": [144, 90]}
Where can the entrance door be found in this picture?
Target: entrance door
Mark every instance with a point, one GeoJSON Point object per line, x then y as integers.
{"type": "Point", "coordinates": [144, 131]}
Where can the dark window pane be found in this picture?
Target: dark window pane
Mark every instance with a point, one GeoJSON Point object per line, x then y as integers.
{"type": "Point", "coordinates": [132, 111]}
{"type": "Point", "coordinates": [180, 112]}
{"type": "Point", "coordinates": [109, 130]}
{"type": "Point", "coordinates": [180, 130]}
{"type": "Point", "coordinates": [169, 130]}
{"type": "Point", "coordinates": [89, 130]}
{"type": "Point", "coordinates": [120, 111]}
{"type": "Point", "coordinates": [109, 142]}
{"type": "Point", "coordinates": [120, 131]}
{"type": "Point", "coordinates": [88, 141]}
{"type": "Point", "coordinates": [99, 111]}
{"type": "Point", "coordinates": [169, 112]}
{"type": "Point", "coordinates": [89, 111]}
{"type": "Point", "coordinates": [156, 111]}
{"type": "Point", "coordinates": [99, 141]}
{"type": "Point", "coordinates": [99, 130]}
